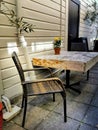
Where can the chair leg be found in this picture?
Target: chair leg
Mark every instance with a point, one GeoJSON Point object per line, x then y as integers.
{"type": "Point", "coordinates": [65, 115]}
{"type": "Point", "coordinates": [64, 103]}
{"type": "Point", "coordinates": [22, 102]}
{"type": "Point", "coordinates": [88, 75]}
{"type": "Point", "coordinates": [53, 97]}
{"type": "Point", "coordinates": [24, 113]}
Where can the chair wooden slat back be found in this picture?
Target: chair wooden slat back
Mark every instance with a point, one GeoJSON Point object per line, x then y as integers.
{"type": "Point", "coordinates": [18, 66]}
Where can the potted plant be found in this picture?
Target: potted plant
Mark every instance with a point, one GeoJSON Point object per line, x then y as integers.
{"type": "Point", "coordinates": [57, 45]}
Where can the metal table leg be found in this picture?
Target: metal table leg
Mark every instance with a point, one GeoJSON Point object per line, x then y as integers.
{"type": "Point", "coordinates": [68, 85]}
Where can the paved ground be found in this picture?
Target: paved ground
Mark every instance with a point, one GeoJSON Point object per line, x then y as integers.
{"type": "Point", "coordinates": [82, 109]}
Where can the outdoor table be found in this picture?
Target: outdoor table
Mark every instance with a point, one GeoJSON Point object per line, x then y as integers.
{"type": "Point", "coordinates": [68, 60]}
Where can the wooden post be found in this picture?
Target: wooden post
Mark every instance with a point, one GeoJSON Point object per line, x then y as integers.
{"type": "Point", "coordinates": [60, 18]}
{"type": "Point", "coordinates": [19, 7]}
{"type": "Point", "coordinates": [1, 85]}
{"type": "Point", "coordinates": [66, 24]}
{"type": "Point", "coordinates": [21, 39]}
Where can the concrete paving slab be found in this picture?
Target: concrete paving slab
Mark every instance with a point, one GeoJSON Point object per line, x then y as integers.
{"type": "Point", "coordinates": [75, 110]}
{"type": "Point", "coordinates": [91, 117]}
{"type": "Point", "coordinates": [95, 100]}
{"type": "Point", "coordinates": [11, 126]}
{"type": "Point", "coordinates": [87, 127]}
{"type": "Point", "coordinates": [33, 118]}
{"type": "Point", "coordinates": [55, 122]}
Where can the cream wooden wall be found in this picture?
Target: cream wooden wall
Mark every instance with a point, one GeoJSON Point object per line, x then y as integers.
{"type": "Point", "coordinates": [49, 18]}
{"type": "Point", "coordinates": [85, 29]}
{"type": "Point", "coordinates": [8, 74]}
{"type": "Point", "coordinates": [50, 22]}
{"type": "Point", "coordinates": [46, 17]}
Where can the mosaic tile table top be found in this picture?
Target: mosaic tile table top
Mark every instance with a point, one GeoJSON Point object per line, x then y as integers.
{"type": "Point", "coordinates": [68, 60]}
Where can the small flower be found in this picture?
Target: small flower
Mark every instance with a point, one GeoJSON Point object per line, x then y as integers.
{"type": "Point", "coordinates": [57, 38]}
{"type": "Point", "coordinates": [57, 42]}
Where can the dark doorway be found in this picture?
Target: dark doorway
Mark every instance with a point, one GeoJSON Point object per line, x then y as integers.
{"type": "Point", "coordinates": [73, 21]}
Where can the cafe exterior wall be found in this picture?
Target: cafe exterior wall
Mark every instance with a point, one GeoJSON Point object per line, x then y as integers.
{"type": "Point", "coordinates": [49, 21]}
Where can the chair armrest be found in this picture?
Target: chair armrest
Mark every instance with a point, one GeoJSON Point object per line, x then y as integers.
{"type": "Point", "coordinates": [36, 69]}
{"type": "Point", "coordinates": [44, 80]}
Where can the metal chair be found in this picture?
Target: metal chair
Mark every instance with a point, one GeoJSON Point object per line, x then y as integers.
{"type": "Point", "coordinates": [38, 87]}
{"type": "Point", "coordinates": [80, 44]}
{"type": "Point", "coordinates": [95, 45]}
